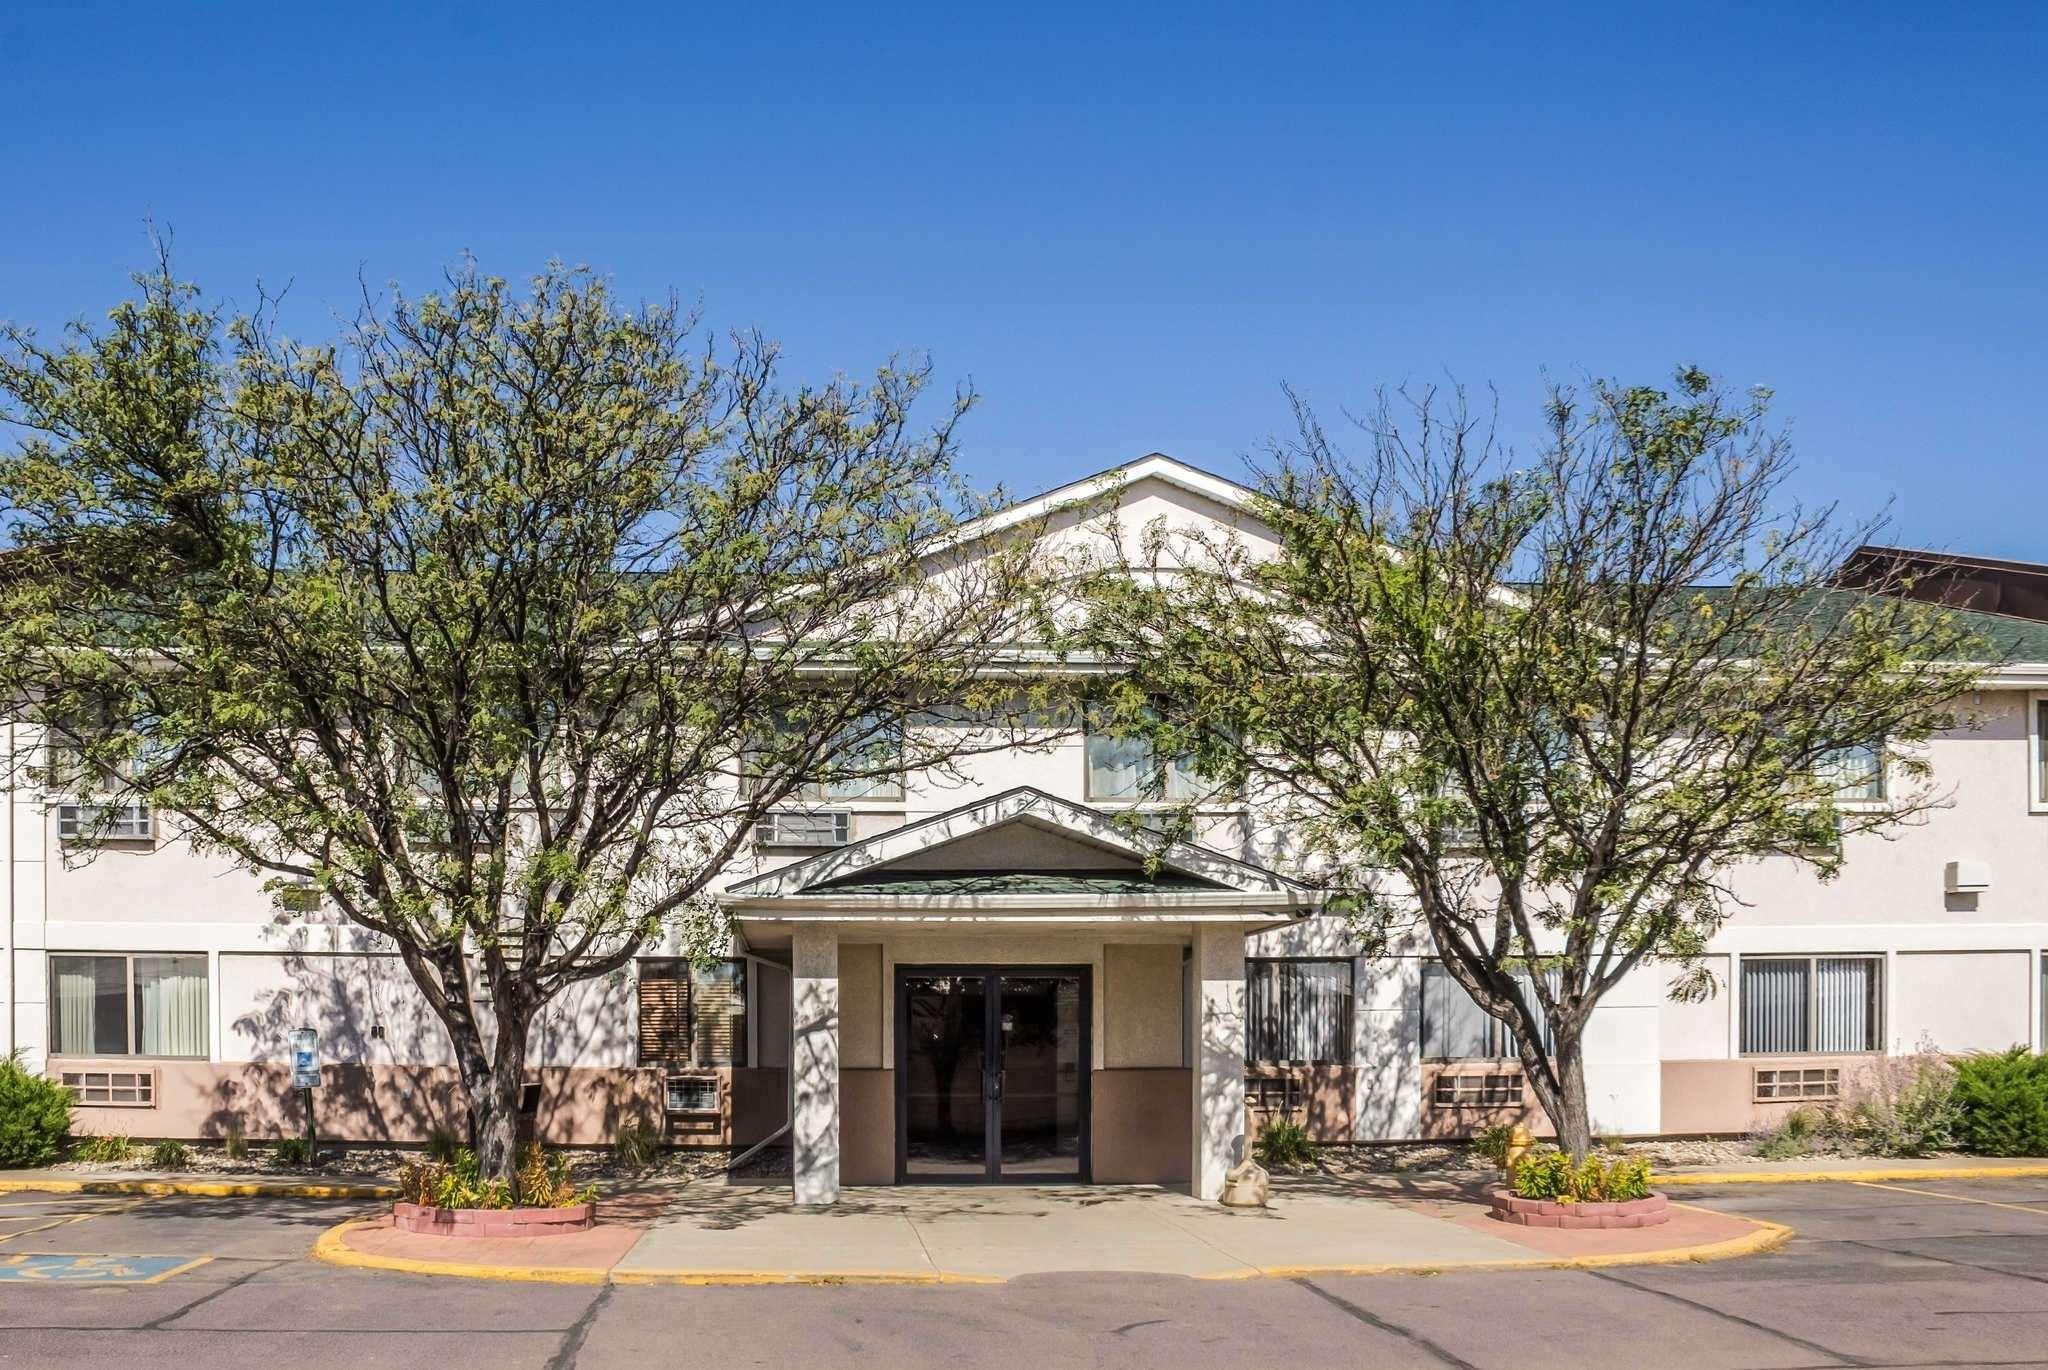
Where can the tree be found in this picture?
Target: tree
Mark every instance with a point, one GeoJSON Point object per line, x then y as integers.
{"type": "Point", "coordinates": [1544, 711]}
{"type": "Point", "coordinates": [497, 622]}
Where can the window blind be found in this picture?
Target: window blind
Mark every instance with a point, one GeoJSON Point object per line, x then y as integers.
{"type": "Point", "coordinates": [692, 1016]}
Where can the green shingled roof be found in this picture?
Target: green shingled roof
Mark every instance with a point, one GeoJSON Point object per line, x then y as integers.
{"type": "Point", "coordinates": [886, 882]}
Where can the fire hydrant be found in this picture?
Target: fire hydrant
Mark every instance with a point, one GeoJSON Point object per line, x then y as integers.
{"type": "Point", "coordinates": [1519, 1142]}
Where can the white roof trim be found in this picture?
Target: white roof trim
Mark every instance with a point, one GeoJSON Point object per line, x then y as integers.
{"type": "Point", "coordinates": [1239, 879]}
{"type": "Point", "coordinates": [1154, 466]}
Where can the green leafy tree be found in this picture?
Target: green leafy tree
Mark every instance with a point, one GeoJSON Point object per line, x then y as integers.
{"type": "Point", "coordinates": [496, 622]}
{"type": "Point", "coordinates": [1542, 710]}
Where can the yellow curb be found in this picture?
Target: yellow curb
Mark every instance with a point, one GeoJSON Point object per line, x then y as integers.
{"type": "Point", "coordinates": [1874, 1175]}
{"type": "Point", "coordinates": [334, 1251]}
{"type": "Point", "coordinates": [209, 1189]}
{"type": "Point", "coordinates": [1768, 1236]}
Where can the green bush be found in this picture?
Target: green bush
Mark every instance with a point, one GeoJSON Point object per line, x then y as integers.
{"type": "Point", "coordinates": [2003, 1103]}
{"type": "Point", "coordinates": [1493, 1142]}
{"type": "Point", "coordinates": [1801, 1132]}
{"type": "Point", "coordinates": [1551, 1175]}
{"type": "Point", "coordinates": [235, 1143]}
{"type": "Point", "coordinates": [35, 1116]}
{"type": "Point", "coordinates": [107, 1148]}
{"type": "Point", "coordinates": [170, 1154]}
{"type": "Point", "coordinates": [294, 1151]}
{"type": "Point", "coordinates": [635, 1144]}
{"type": "Point", "coordinates": [1283, 1145]}
{"type": "Point", "coordinates": [442, 1145]}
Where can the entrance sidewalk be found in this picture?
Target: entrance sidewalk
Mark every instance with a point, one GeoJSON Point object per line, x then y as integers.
{"type": "Point", "coordinates": [735, 1234]}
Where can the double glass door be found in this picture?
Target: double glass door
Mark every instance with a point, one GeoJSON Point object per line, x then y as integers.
{"type": "Point", "coordinates": [991, 1074]}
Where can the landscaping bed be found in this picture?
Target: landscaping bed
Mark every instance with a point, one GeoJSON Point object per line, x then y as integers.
{"type": "Point", "coordinates": [492, 1222]}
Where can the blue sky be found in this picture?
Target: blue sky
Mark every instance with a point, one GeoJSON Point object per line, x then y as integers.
{"type": "Point", "coordinates": [1128, 227]}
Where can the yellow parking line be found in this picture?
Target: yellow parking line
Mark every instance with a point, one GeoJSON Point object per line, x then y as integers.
{"type": "Point", "coordinates": [1954, 1198]}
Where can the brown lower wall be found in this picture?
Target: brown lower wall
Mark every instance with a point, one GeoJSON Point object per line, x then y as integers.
{"type": "Point", "coordinates": [1718, 1096]}
{"type": "Point", "coordinates": [579, 1106]}
{"type": "Point", "coordinates": [1141, 1125]}
{"type": "Point", "coordinates": [1318, 1097]}
{"type": "Point", "coordinates": [1444, 1120]}
{"type": "Point", "coordinates": [867, 1126]}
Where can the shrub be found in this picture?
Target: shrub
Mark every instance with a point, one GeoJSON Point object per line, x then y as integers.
{"type": "Point", "coordinates": [1493, 1142]}
{"type": "Point", "coordinates": [542, 1182]}
{"type": "Point", "coordinates": [2002, 1103]}
{"type": "Point", "coordinates": [234, 1143]}
{"type": "Point", "coordinates": [442, 1145]}
{"type": "Point", "coordinates": [1905, 1106]}
{"type": "Point", "coordinates": [108, 1148]}
{"type": "Point", "coordinates": [635, 1144]}
{"type": "Point", "coordinates": [294, 1151]}
{"type": "Point", "coordinates": [35, 1116]}
{"type": "Point", "coordinates": [1799, 1133]}
{"type": "Point", "coordinates": [1283, 1144]}
{"type": "Point", "coordinates": [1551, 1175]}
{"type": "Point", "coordinates": [170, 1154]}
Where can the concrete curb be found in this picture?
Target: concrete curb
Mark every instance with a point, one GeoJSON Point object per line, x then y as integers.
{"type": "Point", "coordinates": [207, 1189]}
{"type": "Point", "coordinates": [1873, 1175]}
{"type": "Point", "coordinates": [331, 1248]}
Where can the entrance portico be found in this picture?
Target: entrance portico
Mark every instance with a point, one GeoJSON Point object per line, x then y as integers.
{"type": "Point", "coordinates": [1016, 990]}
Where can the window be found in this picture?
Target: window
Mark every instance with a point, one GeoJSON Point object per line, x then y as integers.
{"type": "Point", "coordinates": [1125, 769]}
{"type": "Point", "coordinates": [784, 828]}
{"type": "Point", "coordinates": [1298, 1012]}
{"type": "Point", "coordinates": [690, 1094]}
{"type": "Point", "coordinates": [1855, 771]}
{"type": "Point", "coordinates": [1494, 1089]}
{"type": "Point", "coordinates": [111, 1088]}
{"type": "Point", "coordinates": [1455, 1028]}
{"type": "Point", "coordinates": [866, 744]}
{"type": "Point", "coordinates": [1820, 1082]}
{"type": "Point", "coordinates": [693, 1015]}
{"type": "Point", "coordinates": [104, 822]}
{"type": "Point", "coordinates": [2038, 740]}
{"type": "Point", "coordinates": [1812, 1004]}
{"type": "Point", "coordinates": [109, 1005]}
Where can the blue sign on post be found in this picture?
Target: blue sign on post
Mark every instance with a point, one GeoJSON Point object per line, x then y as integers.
{"type": "Point", "coordinates": [305, 1059]}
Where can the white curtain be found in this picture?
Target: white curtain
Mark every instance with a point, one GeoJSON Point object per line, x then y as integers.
{"type": "Point", "coordinates": [1118, 767]}
{"type": "Point", "coordinates": [1299, 1011]}
{"type": "Point", "coordinates": [77, 991]}
{"type": "Point", "coordinates": [170, 998]}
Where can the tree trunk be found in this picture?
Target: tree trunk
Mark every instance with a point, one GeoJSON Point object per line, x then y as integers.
{"type": "Point", "coordinates": [494, 1100]}
{"type": "Point", "coordinates": [1565, 1098]}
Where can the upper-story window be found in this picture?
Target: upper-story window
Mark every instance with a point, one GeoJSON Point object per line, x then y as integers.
{"type": "Point", "coordinates": [1130, 769]}
{"type": "Point", "coordinates": [1855, 771]}
{"type": "Point", "coordinates": [2038, 768]}
{"type": "Point", "coordinates": [1812, 1004]}
{"type": "Point", "coordinates": [128, 1005]}
{"type": "Point", "coordinates": [873, 750]}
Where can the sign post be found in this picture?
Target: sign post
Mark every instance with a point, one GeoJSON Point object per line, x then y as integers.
{"type": "Point", "coordinates": [306, 1076]}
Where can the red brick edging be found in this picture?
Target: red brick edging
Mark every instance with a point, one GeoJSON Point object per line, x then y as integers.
{"type": "Point", "coordinates": [1510, 1208]}
{"type": "Point", "coordinates": [491, 1222]}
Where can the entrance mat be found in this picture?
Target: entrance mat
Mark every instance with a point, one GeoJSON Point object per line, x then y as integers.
{"type": "Point", "coordinates": [96, 1269]}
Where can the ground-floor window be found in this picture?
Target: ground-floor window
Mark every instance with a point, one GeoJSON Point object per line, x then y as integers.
{"type": "Point", "coordinates": [128, 1005]}
{"type": "Point", "coordinates": [1817, 1004]}
{"type": "Point", "coordinates": [1298, 1012]}
{"type": "Point", "coordinates": [1455, 1028]}
{"type": "Point", "coordinates": [693, 1015]}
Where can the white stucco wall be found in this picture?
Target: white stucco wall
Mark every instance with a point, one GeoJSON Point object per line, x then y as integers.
{"type": "Point", "coordinates": [1960, 1001]}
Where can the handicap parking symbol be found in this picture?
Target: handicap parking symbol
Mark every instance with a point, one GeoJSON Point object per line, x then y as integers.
{"type": "Point", "coordinates": [94, 1269]}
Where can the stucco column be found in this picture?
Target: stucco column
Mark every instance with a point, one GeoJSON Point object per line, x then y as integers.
{"type": "Point", "coordinates": [814, 1062]}
{"type": "Point", "coordinates": [1218, 988]}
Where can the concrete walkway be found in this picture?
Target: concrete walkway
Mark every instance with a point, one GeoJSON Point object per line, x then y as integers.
{"type": "Point", "coordinates": [744, 1234]}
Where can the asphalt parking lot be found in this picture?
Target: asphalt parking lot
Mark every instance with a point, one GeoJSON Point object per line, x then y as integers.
{"type": "Point", "coordinates": [1940, 1273]}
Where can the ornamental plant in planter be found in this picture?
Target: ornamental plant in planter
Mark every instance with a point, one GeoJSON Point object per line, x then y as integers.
{"type": "Point", "coordinates": [1549, 1191]}
{"type": "Point", "coordinates": [451, 1198]}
